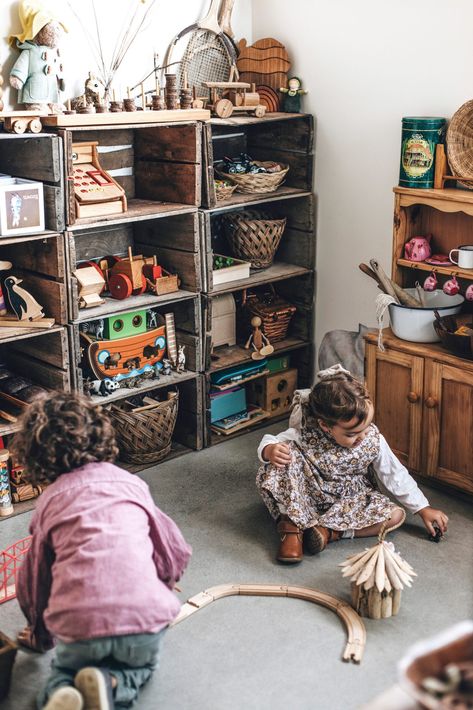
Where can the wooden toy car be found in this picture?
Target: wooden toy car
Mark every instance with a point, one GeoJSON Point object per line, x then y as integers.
{"type": "Point", "coordinates": [21, 122]}
{"type": "Point", "coordinates": [228, 97]}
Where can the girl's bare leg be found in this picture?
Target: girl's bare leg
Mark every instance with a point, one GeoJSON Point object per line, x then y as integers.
{"type": "Point", "coordinates": [397, 517]}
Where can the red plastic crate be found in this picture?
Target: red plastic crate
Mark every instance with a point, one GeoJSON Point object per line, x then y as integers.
{"type": "Point", "coordinates": [11, 560]}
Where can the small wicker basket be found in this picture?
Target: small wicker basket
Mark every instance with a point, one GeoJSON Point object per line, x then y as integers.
{"type": "Point", "coordinates": [253, 237]}
{"type": "Point", "coordinates": [222, 191]}
{"type": "Point", "coordinates": [256, 182]}
{"type": "Point", "coordinates": [275, 313]}
{"type": "Point", "coordinates": [144, 433]}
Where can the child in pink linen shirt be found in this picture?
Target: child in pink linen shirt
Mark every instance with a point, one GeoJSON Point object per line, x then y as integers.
{"type": "Point", "coordinates": [98, 578]}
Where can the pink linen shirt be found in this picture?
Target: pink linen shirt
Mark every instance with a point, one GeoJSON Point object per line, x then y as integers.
{"type": "Point", "coordinates": [103, 559]}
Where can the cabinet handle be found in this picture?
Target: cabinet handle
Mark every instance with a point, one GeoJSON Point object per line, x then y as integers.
{"type": "Point", "coordinates": [431, 402]}
{"type": "Point", "coordinates": [413, 397]}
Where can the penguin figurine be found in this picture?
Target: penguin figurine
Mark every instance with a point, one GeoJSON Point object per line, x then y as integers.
{"type": "Point", "coordinates": [22, 302]}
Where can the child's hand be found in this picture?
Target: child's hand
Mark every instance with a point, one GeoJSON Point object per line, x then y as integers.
{"type": "Point", "coordinates": [277, 454]}
{"type": "Point", "coordinates": [26, 638]}
{"type": "Point", "coordinates": [432, 515]}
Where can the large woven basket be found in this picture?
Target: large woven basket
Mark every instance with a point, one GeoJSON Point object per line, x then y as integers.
{"type": "Point", "coordinates": [145, 436]}
{"type": "Point", "coordinates": [256, 182]}
{"type": "Point", "coordinates": [253, 237]}
{"type": "Point", "coordinates": [460, 143]}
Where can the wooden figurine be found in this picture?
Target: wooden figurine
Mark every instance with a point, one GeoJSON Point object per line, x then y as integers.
{"type": "Point", "coordinates": [292, 95]}
{"type": "Point", "coordinates": [229, 97]}
{"type": "Point", "coordinates": [181, 359]}
{"type": "Point", "coordinates": [91, 284]}
{"type": "Point", "coordinates": [171, 338]}
{"type": "Point", "coordinates": [23, 304]}
{"type": "Point", "coordinates": [258, 341]}
{"type": "Point", "coordinates": [166, 366]}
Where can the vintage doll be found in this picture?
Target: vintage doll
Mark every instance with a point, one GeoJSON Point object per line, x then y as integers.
{"type": "Point", "coordinates": [291, 102]}
{"type": "Point", "coordinates": [317, 477]}
{"type": "Point", "coordinates": [99, 576]}
{"type": "Point", "coordinates": [38, 71]}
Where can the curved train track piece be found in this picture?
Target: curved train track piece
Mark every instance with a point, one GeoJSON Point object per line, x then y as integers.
{"type": "Point", "coordinates": [354, 625]}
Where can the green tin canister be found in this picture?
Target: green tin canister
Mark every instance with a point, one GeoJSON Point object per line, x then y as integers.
{"type": "Point", "coordinates": [420, 135]}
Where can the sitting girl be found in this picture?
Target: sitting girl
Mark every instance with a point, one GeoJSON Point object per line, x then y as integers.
{"type": "Point", "coordinates": [103, 561]}
{"type": "Point", "coordinates": [316, 478]}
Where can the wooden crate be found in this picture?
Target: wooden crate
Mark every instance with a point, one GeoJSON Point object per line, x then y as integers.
{"type": "Point", "coordinates": [38, 157]}
{"type": "Point", "coordinates": [41, 263]}
{"type": "Point", "coordinates": [175, 241]}
{"type": "Point", "coordinates": [158, 166]}
{"type": "Point", "coordinates": [286, 138]}
{"type": "Point", "coordinates": [295, 255]}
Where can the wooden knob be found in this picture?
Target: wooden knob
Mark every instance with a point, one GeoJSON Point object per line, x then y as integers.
{"type": "Point", "coordinates": [431, 402]}
{"type": "Point", "coordinates": [413, 397]}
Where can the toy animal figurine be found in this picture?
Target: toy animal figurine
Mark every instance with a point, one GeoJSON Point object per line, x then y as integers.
{"type": "Point", "coordinates": [181, 359]}
{"type": "Point", "coordinates": [430, 283]}
{"type": "Point", "coordinates": [451, 287]}
{"type": "Point", "coordinates": [151, 319]}
{"type": "Point", "coordinates": [101, 387]}
{"type": "Point", "coordinates": [418, 248]}
{"type": "Point", "coordinates": [258, 341]}
{"type": "Point", "coordinates": [94, 93]}
{"type": "Point", "coordinates": [291, 102]}
{"type": "Point", "coordinates": [112, 360]}
{"type": "Point", "coordinates": [38, 72]}
{"type": "Point", "coordinates": [23, 304]}
{"type": "Point", "coordinates": [166, 366]}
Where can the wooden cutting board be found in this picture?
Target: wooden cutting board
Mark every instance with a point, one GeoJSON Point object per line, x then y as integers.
{"type": "Point", "coordinates": [266, 62]}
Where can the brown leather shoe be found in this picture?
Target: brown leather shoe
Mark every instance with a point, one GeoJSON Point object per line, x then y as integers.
{"type": "Point", "coordinates": [290, 547]}
{"type": "Point", "coordinates": [317, 538]}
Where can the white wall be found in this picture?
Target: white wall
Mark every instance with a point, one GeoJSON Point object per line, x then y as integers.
{"type": "Point", "coordinates": [366, 63]}
{"type": "Point", "coordinates": [168, 18]}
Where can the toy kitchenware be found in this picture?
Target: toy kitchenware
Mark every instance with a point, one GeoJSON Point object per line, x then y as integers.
{"type": "Point", "coordinates": [464, 258]}
{"type": "Point", "coordinates": [417, 324]}
{"type": "Point", "coordinates": [430, 283]}
{"type": "Point", "coordinates": [420, 135]}
{"type": "Point", "coordinates": [469, 293]}
{"type": "Point", "coordinates": [96, 192]}
{"type": "Point", "coordinates": [451, 287]}
{"type": "Point", "coordinates": [418, 248]}
{"type": "Point", "coordinates": [438, 260]}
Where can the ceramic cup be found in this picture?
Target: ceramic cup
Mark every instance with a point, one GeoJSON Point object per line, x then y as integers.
{"type": "Point", "coordinates": [465, 256]}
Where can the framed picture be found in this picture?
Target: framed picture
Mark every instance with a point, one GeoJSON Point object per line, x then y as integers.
{"type": "Point", "coordinates": [21, 207]}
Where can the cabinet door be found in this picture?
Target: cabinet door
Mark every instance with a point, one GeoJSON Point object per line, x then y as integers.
{"type": "Point", "coordinates": [448, 425]}
{"type": "Point", "coordinates": [395, 382]}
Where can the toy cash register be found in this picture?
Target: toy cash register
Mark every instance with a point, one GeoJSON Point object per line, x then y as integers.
{"type": "Point", "coordinates": [96, 192]}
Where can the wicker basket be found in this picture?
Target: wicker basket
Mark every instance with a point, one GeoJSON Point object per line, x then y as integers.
{"type": "Point", "coordinates": [275, 313]}
{"type": "Point", "coordinates": [144, 433]}
{"type": "Point", "coordinates": [460, 143]}
{"type": "Point", "coordinates": [224, 192]}
{"type": "Point", "coordinates": [254, 238]}
{"type": "Point", "coordinates": [256, 182]}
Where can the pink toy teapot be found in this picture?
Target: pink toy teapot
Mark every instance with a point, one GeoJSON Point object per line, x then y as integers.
{"type": "Point", "coordinates": [418, 248]}
{"type": "Point", "coordinates": [430, 283]}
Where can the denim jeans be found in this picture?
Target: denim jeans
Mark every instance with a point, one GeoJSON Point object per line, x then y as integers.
{"type": "Point", "coordinates": [131, 659]}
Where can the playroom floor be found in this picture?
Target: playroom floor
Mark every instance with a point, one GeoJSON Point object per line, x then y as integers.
{"type": "Point", "coordinates": [262, 653]}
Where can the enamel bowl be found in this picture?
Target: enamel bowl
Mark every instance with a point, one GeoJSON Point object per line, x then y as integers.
{"type": "Point", "coordinates": [417, 324]}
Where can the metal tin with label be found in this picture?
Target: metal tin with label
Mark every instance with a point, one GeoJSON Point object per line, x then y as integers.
{"type": "Point", "coordinates": [420, 135]}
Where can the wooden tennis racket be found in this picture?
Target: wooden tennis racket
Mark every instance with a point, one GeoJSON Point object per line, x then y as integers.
{"type": "Point", "coordinates": [201, 53]}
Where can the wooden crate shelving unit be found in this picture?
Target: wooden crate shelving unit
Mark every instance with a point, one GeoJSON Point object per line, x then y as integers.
{"type": "Point", "coordinates": [287, 138]}
{"type": "Point", "coordinates": [423, 394]}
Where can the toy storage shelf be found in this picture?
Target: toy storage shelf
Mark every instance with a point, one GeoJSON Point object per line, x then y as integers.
{"type": "Point", "coordinates": [28, 237]}
{"type": "Point", "coordinates": [232, 355]}
{"type": "Point", "coordinates": [123, 393]}
{"type": "Point", "coordinates": [137, 211]}
{"type": "Point", "coordinates": [243, 200]}
{"type": "Point", "coordinates": [276, 272]}
{"type": "Point", "coordinates": [452, 270]}
{"type": "Point", "coordinates": [11, 334]}
{"type": "Point", "coordinates": [112, 305]}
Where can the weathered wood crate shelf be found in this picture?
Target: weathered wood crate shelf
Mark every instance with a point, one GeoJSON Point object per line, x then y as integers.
{"type": "Point", "coordinates": [214, 438]}
{"type": "Point", "coordinates": [283, 137]}
{"type": "Point", "coordinates": [230, 356]}
{"type": "Point", "coordinates": [295, 255]}
{"type": "Point", "coordinates": [11, 334]}
{"type": "Point", "coordinates": [112, 305]}
{"type": "Point", "coordinates": [138, 211]}
{"type": "Point", "coordinates": [41, 265]}
{"type": "Point", "coordinates": [160, 164]}
{"type": "Point", "coordinates": [123, 393]}
{"type": "Point", "coordinates": [38, 157]}
{"type": "Point", "coordinates": [242, 200]}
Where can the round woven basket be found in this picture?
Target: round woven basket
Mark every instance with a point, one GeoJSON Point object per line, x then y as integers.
{"type": "Point", "coordinates": [145, 437]}
{"type": "Point", "coordinates": [256, 182]}
{"type": "Point", "coordinates": [224, 192]}
{"type": "Point", "coordinates": [252, 237]}
{"type": "Point", "coordinates": [460, 143]}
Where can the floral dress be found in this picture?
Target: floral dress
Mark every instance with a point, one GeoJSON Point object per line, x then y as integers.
{"type": "Point", "coordinates": [325, 483]}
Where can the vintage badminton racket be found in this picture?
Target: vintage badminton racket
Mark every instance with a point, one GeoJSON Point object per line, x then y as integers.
{"type": "Point", "coordinates": [201, 53]}
{"type": "Point", "coordinates": [225, 22]}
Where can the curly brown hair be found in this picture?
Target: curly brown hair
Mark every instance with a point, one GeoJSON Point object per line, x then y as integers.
{"type": "Point", "coordinates": [61, 432]}
{"type": "Point", "coordinates": [339, 398]}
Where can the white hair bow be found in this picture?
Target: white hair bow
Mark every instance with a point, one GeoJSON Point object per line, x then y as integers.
{"type": "Point", "coordinates": [331, 372]}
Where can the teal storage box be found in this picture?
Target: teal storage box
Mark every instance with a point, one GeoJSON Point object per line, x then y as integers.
{"type": "Point", "coordinates": [226, 403]}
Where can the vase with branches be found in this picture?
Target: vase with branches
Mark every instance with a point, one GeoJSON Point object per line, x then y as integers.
{"type": "Point", "coordinates": [133, 24]}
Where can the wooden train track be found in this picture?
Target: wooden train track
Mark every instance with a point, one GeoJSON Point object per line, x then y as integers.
{"type": "Point", "coordinates": [354, 625]}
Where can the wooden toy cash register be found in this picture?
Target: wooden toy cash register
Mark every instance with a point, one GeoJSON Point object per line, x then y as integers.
{"type": "Point", "coordinates": [96, 192]}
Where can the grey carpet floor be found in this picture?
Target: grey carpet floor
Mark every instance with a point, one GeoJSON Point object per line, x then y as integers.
{"type": "Point", "coordinates": [262, 653]}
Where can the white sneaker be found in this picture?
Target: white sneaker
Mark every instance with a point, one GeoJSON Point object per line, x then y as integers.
{"type": "Point", "coordinates": [65, 698]}
{"type": "Point", "coordinates": [95, 686]}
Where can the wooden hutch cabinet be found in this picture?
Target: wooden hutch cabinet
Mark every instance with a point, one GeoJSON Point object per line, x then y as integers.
{"type": "Point", "coordinates": [423, 394]}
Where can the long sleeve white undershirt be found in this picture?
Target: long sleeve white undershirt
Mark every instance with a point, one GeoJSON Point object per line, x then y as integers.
{"type": "Point", "coordinates": [389, 470]}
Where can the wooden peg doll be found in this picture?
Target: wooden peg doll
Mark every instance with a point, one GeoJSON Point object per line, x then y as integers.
{"type": "Point", "coordinates": [258, 341]}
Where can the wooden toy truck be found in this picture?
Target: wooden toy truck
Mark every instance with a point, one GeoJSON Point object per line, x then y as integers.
{"type": "Point", "coordinates": [229, 97]}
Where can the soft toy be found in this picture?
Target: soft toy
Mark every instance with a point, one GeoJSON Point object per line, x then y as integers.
{"type": "Point", "coordinates": [292, 95]}
{"type": "Point", "coordinates": [38, 71]}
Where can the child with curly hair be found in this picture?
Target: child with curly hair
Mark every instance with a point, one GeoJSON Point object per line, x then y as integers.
{"type": "Point", "coordinates": [318, 478]}
{"type": "Point", "coordinates": [103, 562]}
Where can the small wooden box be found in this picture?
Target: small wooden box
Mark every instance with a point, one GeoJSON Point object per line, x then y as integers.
{"type": "Point", "coordinates": [273, 393]}
{"type": "Point", "coordinates": [240, 270]}
{"type": "Point", "coordinates": [21, 207]}
{"type": "Point", "coordinates": [223, 320]}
